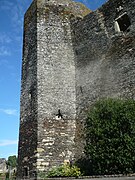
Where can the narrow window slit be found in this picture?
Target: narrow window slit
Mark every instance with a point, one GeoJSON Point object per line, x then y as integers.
{"type": "Point", "coordinates": [25, 172]}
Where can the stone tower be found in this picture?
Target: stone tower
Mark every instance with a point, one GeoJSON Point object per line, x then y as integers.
{"type": "Point", "coordinates": [71, 58]}
{"type": "Point", "coordinates": [48, 95]}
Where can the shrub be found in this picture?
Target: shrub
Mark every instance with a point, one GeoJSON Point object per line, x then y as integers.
{"type": "Point", "coordinates": [63, 171]}
{"type": "Point", "coordinates": [2, 175]}
{"type": "Point", "coordinates": [110, 137]}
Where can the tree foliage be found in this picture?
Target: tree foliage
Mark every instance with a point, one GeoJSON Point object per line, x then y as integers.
{"type": "Point", "coordinates": [12, 161]}
{"type": "Point", "coordinates": [62, 171]}
{"type": "Point", "coordinates": [110, 137]}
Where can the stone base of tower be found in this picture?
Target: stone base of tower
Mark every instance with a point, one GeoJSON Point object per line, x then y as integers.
{"type": "Point", "coordinates": [56, 143]}
{"type": "Point", "coordinates": [55, 146]}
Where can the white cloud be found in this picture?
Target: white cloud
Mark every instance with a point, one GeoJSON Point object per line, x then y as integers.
{"type": "Point", "coordinates": [4, 51]}
{"type": "Point", "coordinates": [9, 111]}
{"type": "Point", "coordinates": [14, 13]}
{"type": "Point", "coordinates": [17, 18]}
{"type": "Point", "coordinates": [4, 38]}
{"type": "Point", "coordinates": [8, 142]}
{"type": "Point", "coordinates": [5, 5]}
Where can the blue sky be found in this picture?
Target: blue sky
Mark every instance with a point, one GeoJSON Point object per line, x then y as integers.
{"type": "Point", "coordinates": [11, 32]}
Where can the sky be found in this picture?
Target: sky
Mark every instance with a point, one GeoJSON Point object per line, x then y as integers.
{"type": "Point", "coordinates": [11, 38]}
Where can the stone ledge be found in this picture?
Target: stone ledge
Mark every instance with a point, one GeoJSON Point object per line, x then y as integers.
{"type": "Point", "coordinates": [105, 177]}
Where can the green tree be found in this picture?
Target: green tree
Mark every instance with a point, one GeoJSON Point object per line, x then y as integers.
{"type": "Point", "coordinates": [110, 137]}
{"type": "Point", "coordinates": [12, 161]}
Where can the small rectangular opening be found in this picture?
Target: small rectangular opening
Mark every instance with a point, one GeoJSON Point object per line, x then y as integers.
{"type": "Point", "coordinates": [25, 172]}
{"type": "Point", "coordinates": [122, 23]}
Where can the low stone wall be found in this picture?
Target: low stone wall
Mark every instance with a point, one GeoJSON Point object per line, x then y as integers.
{"type": "Point", "coordinates": [101, 178]}
{"type": "Point", "coordinates": [104, 177]}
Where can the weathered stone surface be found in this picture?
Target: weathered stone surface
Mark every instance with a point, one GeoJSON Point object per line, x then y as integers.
{"type": "Point", "coordinates": [3, 165]}
{"type": "Point", "coordinates": [39, 150]}
{"type": "Point", "coordinates": [69, 61]}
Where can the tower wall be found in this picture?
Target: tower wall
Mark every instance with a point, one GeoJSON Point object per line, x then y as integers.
{"type": "Point", "coordinates": [70, 61]}
{"type": "Point", "coordinates": [104, 57]}
{"type": "Point", "coordinates": [48, 96]}
{"type": "Point", "coordinates": [55, 86]}
{"type": "Point", "coordinates": [28, 112]}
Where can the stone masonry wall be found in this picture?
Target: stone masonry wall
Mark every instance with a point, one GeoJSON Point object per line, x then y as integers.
{"type": "Point", "coordinates": [101, 53]}
{"type": "Point", "coordinates": [48, 96]}
{"type": "Point", "coordinates": [28, 117]}
{"type": "Point", "coordinates": [3, 165]}
{"type": "Point", "coordinates": [70, 60]}
{"type": "Point", "coordinates": [118, 75]}
{"type": "Point", "coordinates": [105, 59]}
{"type": "Point", "coordinates": [56, 88]}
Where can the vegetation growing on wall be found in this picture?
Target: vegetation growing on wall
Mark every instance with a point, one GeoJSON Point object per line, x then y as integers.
{"type": "Point", "coordinates": [62, 171]}
{"type": "Point", "coordinates": [110, 138]}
